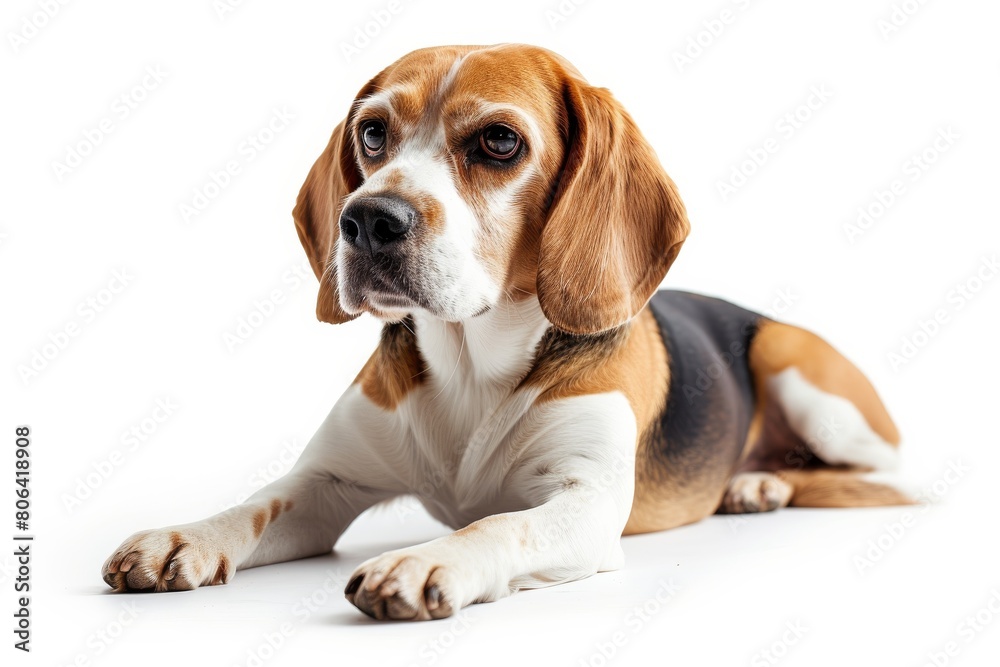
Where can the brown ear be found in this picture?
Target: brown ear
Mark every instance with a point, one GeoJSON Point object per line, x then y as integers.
{"type": "Point", "coordinates": [317, 215]}
{"type": "Point", "coordinates": [616, 223]}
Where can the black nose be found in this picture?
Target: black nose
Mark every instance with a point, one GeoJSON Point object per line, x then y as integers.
{"type": "Point", "coordinates": [371, 223]}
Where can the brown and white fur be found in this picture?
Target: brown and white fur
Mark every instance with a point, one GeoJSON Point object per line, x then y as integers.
{"type": "Point", "coordinates": [520, 377]}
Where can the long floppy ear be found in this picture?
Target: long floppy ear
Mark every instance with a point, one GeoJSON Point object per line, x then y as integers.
{"type": "Point", "coordinates": [616, 222]}
{"type": "Point", "coordinates": [317, 215]}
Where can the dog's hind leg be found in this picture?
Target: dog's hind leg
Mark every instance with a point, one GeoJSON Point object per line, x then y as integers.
{"type": "Point", "coordinates": [834, 414]}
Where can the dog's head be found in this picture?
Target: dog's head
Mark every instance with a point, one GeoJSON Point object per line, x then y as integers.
{"type": "Point", "coordinates": [464, 176]}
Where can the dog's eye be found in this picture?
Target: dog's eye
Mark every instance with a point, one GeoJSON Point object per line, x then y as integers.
{"type": "Point", "coordinates": [499, 142]}
{"type": "Point", "coordinates": [373, 137]}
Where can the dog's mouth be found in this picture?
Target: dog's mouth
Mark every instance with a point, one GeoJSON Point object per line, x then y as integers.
{"type": "Point", "coordinates": [394, 284]}
{"type": "Point", "coordinates": [388, 306]}
{"type": "Point", "coordinates": [380, 286]}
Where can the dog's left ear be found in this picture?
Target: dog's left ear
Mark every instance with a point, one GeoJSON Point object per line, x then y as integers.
{"type": "Point", "coordinates": [317, 213]}
{"type": "Point", "coordinates": [616, 222]}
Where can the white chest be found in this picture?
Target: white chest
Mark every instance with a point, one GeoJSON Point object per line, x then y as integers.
{"type": "Point", "coordinates": [462, 420]}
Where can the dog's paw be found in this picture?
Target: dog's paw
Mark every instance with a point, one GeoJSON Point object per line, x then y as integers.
{"type": "Point", "coordinates": [165, 560]}
{"type": "Point", "coordinates": [755, 492]}
{"type": "Point", "coordinates": [404, 585]}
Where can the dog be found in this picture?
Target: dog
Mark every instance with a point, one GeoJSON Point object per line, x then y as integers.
{"type": "Point", "coordinates": [510, 226]}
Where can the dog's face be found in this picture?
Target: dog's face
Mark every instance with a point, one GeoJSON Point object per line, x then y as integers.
{"type": "Point", "coordinates": [464, 176]}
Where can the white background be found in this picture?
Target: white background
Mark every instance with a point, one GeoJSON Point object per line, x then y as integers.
{"type": "Point", "coordinates": [778, 242]}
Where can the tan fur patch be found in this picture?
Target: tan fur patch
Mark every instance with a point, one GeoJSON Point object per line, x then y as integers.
{"type": "Point", "coordinates": [394, 369]}
{"type": "Point", "coordinates": [778, 346]}
{"type": "Point", "coordinates": [839, 488]}
{"type": "Point", "coordinates": [259, 522]}
{"type": "Point", "coordinates": [632, 360]}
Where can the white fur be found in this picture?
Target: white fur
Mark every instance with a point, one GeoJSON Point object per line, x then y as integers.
{"type": "Point", "coordinates": [832, 426]}
{"type": "Point", "coordinates": [571, 517]}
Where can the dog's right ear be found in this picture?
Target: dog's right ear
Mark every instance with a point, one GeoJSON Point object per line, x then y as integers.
{"type": "Point", "coordinates": [317, 214]}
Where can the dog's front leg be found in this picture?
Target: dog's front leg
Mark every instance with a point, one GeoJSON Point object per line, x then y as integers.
{"type": "Point", "coordinates": [301, 514]}
{"type": "Point", "coordinates": [576, 474]}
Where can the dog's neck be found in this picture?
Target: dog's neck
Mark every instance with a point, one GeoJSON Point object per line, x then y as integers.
{"type": "Point", "coordinates": [492, 349]}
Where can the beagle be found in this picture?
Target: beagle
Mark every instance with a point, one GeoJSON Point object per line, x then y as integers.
{"type": "Point", "coordinates": [510, 226]}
